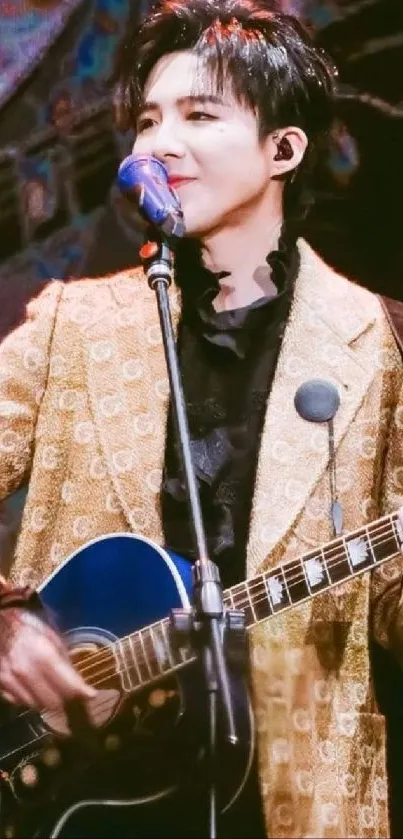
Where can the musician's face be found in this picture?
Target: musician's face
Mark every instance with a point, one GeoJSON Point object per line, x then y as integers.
{"type": "Point", "coordinates": [210, 146]}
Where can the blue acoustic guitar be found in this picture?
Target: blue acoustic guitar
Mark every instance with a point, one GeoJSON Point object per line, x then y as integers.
{"type": "Point", "coordinates": [112, 600]}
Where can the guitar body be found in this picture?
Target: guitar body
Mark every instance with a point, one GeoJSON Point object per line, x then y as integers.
{"type": "Point", "coordinates": [61, 777]}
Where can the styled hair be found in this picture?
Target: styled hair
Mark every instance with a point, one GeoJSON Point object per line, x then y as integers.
{"type": "Point", "coordinates": [266, 57]}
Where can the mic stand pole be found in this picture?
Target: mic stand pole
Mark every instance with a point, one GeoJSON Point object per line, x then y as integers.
{"type": "Point", "coordinates": [206, 623]}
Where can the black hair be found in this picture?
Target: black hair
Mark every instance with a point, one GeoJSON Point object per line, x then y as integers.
{"type": "Point", "coordinates": [267, 57]}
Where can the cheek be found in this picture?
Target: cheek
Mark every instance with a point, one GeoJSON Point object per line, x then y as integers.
{"type": "Point", "coordinates": [233, 178]}
{"type": "Point", "coordinates": [141, 145]}
{"type": "Point", "coordinates": [226, 153]}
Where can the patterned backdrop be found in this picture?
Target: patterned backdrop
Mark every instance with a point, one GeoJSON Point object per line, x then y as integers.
{"type": "Point", "coordinates": [60, 214]}
{"type": "Point", "coordinates": [58, 149]}
{"type": "Point", "coordinates": [26, 32]}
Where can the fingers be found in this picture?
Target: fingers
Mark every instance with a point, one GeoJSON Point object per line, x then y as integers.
{"type": "Point", "coordinates": [15, 693]}
{"type": "Point", "coordinates": [67, 682]}
{"type": "Point", "coordinates": [38, 673]}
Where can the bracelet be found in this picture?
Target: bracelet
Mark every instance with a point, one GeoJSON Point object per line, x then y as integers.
{"type": "Point", "coordinates": [25, 597]}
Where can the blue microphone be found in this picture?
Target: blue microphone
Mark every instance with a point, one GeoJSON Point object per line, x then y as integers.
{"type": "Point", "coordinates": [144, 180]}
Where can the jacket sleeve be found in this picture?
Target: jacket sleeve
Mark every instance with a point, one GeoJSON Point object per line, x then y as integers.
{"type": "Point", "coordinates": [387, 580]}
{"type": "Point", "coordinates": [24, 366]}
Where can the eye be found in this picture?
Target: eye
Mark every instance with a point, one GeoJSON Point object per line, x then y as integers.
{"type": "Point", "coordinates": [144, 124]}
{"type": "Point", "coordinates": [200, 116]}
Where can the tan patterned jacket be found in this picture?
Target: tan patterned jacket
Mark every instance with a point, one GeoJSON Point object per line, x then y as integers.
{"type": "Point", "coordinates": [83, 401]}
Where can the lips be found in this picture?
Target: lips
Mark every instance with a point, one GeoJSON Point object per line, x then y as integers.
{"type": "Point", "coordinates": [174, 181]}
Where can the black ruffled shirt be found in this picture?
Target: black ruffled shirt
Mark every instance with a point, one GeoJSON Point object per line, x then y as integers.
{"type": "Point", "coordinates": [227, 361]}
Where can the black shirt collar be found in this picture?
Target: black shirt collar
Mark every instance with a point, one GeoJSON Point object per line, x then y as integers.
{"type": "Point", "coordinates": [235, 329]}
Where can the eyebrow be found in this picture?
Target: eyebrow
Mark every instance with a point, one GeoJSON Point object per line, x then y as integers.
{"type": "Point", "coordinates": [201, 99]}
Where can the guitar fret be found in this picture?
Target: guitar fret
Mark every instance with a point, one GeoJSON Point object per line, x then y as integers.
{"type": "Point", "coordinates": [277, 589]}
{"type": "Point", "coordinates": [135, 660]}
{"type": "Point", "coordinates": [261, 603]}
{"type": "Point", "coordinates": [148, 670]}
{"type": "Point", "coordinates": [369, 542]}
{"type": "Point", "coordinates": [324, 563]}
{"type": "Point", "coordinates": [308, 585]}
{"type": "Point", "coordinates": [397, 533]}
{"type": "Point", "coordinates": [242, 601]}
{"type": "Point", "coordinates": [160, 647]}
{"type": "Point", "coordinates": [360, 550]}
{"type": "Point", "coordinates": [249, 608]}
{"type": "Point", "coordinates": [347, 553]}
{"type": "Point", "coordinates": [389, 539]}
{"type": "Point", "coordinates": [316, 571]}
{"type": "Point", "coordinates": [125, 665]}
{"type": "Point", "coordinates": [287, 592]}
{"type": "Point", "coordinates": [296, 580]}
{"type": "Point", "coordinates": [337, 563]}
{"type": "Point", "coordinates": [238, 597]}
{"type": "Point", "coordinates": [152, 657]}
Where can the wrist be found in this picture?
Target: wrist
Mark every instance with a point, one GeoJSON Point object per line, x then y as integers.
{"type": "Point", "coordinates": [18, 596]}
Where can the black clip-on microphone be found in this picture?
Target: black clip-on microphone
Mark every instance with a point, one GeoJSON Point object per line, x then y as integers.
{"type": "Point", "coordinates": [144, 179]}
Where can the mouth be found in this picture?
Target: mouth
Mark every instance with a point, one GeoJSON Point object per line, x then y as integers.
{"type": "Point", "coordinates": [177, 182]}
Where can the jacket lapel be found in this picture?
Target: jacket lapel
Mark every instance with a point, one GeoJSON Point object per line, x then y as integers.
{"type": "Point", "coordinates": [319, 342]}
{"type": "Point", "coordinates": [128, 386]}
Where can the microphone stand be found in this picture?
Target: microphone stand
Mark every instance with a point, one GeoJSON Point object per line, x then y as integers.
{"type": "Point", "coordinates": [206, 623]}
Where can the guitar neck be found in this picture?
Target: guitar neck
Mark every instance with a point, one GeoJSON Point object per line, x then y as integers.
{"type": "Point", "coordinates": [149, 653]}
{"type": "Point", "coordinates": [318, 571]}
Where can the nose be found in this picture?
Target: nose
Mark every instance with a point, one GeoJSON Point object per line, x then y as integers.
{"type": "Point", "coordinates": [166, 141]}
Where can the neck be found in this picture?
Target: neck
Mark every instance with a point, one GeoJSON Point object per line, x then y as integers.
{"type": "Point", "coordinates": [241, 251]}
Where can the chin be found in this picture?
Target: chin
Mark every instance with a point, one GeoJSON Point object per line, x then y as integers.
{"type": "Point", "coordinates": [198, 227]}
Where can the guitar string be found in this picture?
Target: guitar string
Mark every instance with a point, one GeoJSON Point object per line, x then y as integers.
{"type": "Point", "coordinates": [248, 587]}
{"type": "Point", "coordinates": [104, 657]}
{"type": "Point", "coordinates": [337, 559]}
{"type": "Point", "coordinates": [105, 675]}
{"type": "Point", "coordinates": [245, 589]}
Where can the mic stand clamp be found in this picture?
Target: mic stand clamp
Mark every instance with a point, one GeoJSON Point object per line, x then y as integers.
{"type": "Point", "coordinates": [187, 629]}
{"type": "Point", "coordinates": [206, 623]}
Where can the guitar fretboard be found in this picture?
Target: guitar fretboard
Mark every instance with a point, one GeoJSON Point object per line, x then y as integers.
{"type": "Point", "coordinates": [315, 572]}
{"type": "Point", "coordinates": [149, 654]}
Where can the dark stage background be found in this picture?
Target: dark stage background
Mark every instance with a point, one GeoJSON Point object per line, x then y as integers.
{"type": "Point", "coordinates": [60, 214]}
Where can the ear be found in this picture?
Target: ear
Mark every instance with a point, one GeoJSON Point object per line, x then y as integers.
{"type": "Point", "coordinates": [286, 147]}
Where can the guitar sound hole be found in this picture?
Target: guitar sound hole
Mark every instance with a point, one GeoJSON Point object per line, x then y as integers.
{"type": "Point", "coordinates": [101, 709]}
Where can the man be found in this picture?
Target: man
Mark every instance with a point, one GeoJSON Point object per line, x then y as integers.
{"type": "Point", "coordinates": [234, 101]}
